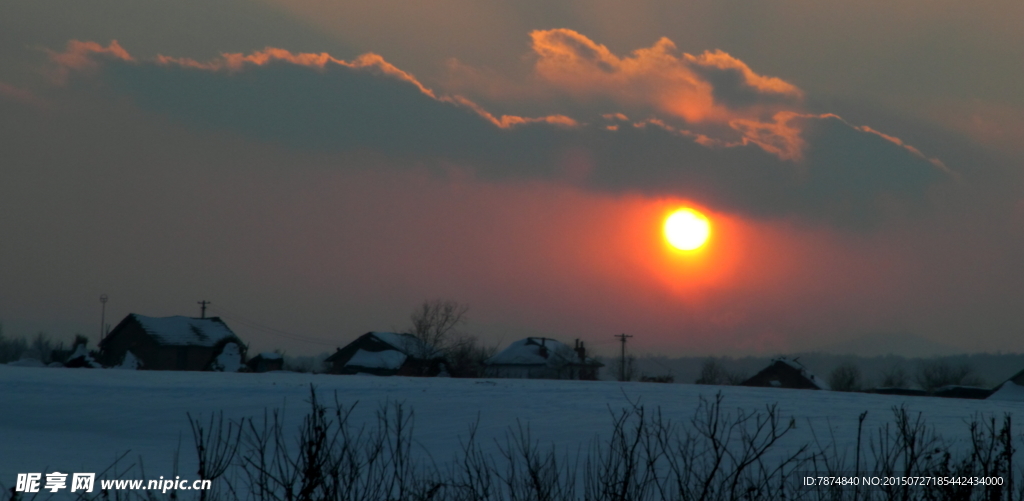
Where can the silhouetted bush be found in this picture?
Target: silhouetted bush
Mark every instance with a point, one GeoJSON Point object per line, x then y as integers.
{"type": "Point", "coordinates": [715, 455]}
{"type": "Point", "coordinates": [845, 377]}
{"type": "Point", "coordinates": [935, 374]}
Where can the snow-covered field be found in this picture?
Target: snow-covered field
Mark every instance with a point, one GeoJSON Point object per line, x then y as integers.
{"type": "Point", "coordinates": [79, 420]}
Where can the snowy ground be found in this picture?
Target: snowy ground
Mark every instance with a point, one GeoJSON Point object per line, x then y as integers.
{"type": "Point", "coordinates": [79, 420]}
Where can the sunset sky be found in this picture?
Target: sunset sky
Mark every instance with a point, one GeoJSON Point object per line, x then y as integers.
{"type": "Point", "coordinates": [317, 168]}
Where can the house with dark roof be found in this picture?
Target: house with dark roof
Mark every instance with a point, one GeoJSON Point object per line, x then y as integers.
{"type": "Point", "coordinates": [542, 358]}
{"type": "Point", "coordinates": [386, 354]}
{"type": "Point", "coordinates": [172, 343]}
{"type": "Point", "coordinates": [786, 373]}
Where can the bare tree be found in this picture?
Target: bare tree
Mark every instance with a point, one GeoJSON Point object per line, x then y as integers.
{"type": "Point", "coordinates": [845, 377]}
{"type": "Point", "coordinates": [466, 358]}
{"type": "Point", "coordinates": [711, 372]}
{"type": "Point", "coordinates": [935, 374]}
{"type": "Point", "coordinates": [736, 378]}
{"type": "Point", "coordinates": [894, 377]}
{"type": "Point", "coordinates": [436, 324]}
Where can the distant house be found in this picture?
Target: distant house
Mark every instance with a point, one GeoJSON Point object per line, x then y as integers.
{"type": "Point", "coordinates": [1011, 389]}
{"type": "Point", "coordinates": [386, 354]}
{"type": "Point", "coordinates": [785, 373]}
{"type": "Point", "coordinates": [542, 358]}
{"type": "Point", "coordinates": [172, 343]}
{"type": "Point", "coordinates": [266, 362]}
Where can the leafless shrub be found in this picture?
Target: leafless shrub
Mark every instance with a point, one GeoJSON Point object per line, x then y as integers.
{"type": "Point", "coordinates": [932, 375]}
{"type": "Point", "coordinates": [845, 377]}
{"type": "Point", "coordinates": [216, 446]}
{"type": "Point", "coordinates": [736, 378]}
{"type": "Point", "coordinates": [894, 377]}
{"type": "Point", "coordinates": [712, 372]}
{"type": "Point", "coordinates": [466, 357]}
{"type": "Point", "coordinates": [532, 472]}
{"type": "Point", "coordinates": [11, 349]}
{"type": "Point", "coordinates": [715, 455]}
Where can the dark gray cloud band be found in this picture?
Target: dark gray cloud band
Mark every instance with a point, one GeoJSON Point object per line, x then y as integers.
{"type": "Point", "coordinates": [843, 176]}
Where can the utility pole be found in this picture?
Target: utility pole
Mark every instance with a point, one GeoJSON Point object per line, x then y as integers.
{"type": "Point", "coordinates": [202, 311]}
{"type": "Point", "coordinates": [622, 361]}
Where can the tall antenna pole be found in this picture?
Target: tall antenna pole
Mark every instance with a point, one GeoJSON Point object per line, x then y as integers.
{"type": "Point", "coordinates": [103, 315]}
{"type": "Point", "coordinates": [622, 361]}
{"type": "Point", "coordinates": [202, 311]}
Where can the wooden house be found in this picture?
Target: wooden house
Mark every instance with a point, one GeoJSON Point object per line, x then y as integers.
{"type": "Point", "coordinates": [172, 343]}
{"type": "Point", "coordinates": [542, 358]}
{"type": "Point", "coordinates": [386, 354]}
{"type": "Point", "coordinates": [786, 373]}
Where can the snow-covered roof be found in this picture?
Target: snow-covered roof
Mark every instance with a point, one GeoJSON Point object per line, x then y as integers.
{"type": "Point", "coordinates": [536, 351]}
{"type": "Point", "coordinates": [387, 359]}
{"type": "Point", "coordinates": [1008, 391]}
{"type": "Point", "coordinates": [185, 331]}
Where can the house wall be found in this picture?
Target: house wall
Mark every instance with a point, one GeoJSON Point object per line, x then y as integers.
{"type": "Point", "coordinates": [124, 338]}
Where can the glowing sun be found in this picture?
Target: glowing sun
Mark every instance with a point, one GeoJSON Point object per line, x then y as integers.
{"type": "Point", "coordinates": [687, 229]}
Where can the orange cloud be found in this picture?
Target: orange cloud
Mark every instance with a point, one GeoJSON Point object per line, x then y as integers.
{"type": "Point", "coordinates": [723, 61]}
{"type": "Point", "coordinates": [778, 137]}
{"type": "Point", "coordinates": [81, 56]}
{"type": "Point", "coordinates": [707, 92]}
{"type": "Point", "coordinates": [659, 78]}
{"type": "Point", "coordinates": [650, 77]}
{"type": "Point", "coordinates": [713, 91]}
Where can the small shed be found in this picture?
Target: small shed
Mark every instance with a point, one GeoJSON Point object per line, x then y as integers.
{"type": "Point", "coordinates": [386, 354]}
{"type": "Point", "coordinates": [266, 362]}
{"type": "Point", "coordinates": [786, 373]}
{"type": "Point", "coordinates": [542, 358]}
{"type": "Point", "coordinates": [172, 343]}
